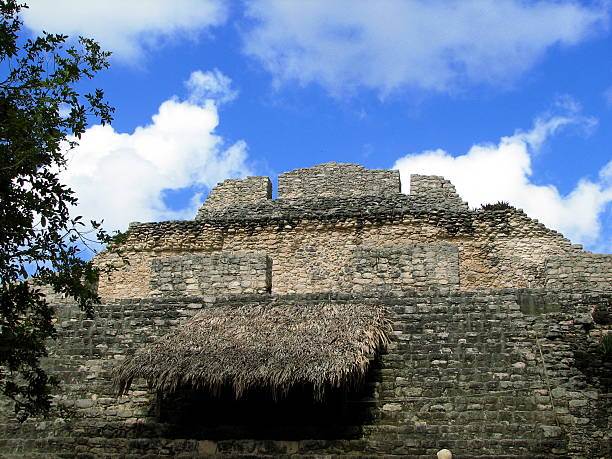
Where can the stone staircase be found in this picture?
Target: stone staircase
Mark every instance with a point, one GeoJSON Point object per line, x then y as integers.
{"type": "Point", "coordinates": [478, 373]}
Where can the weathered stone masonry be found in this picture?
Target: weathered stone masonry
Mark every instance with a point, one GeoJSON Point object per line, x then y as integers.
{"type": "Point", "coordinates": [313, 239]}
{"type": "Point", "coordinates": [486, 374]}
{"type": "Point", "coordinates": [401, 268]}
{"type": "Point", "coordinates": [495, 351]}
{"type": "Point", "coordinates": [234, 191]}
{"type": "Point", "coordinates": [214, 274]}
{"type": "Point", "coordinates": [438, 188]}
{"type": "Point", "coordinates": [333, 180]}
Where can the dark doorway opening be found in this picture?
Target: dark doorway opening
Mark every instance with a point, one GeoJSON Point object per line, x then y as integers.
{"type": "Point", "coordinates": [339, 414]}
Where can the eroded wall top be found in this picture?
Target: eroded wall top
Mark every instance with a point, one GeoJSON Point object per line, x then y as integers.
{"type": "Point", "coordinates": [438, 189]}
{"type": "Point", "coordinates": [325, 182]}
{"type": "Point", "coordinates": [238, 191]}
{"type": "Point", "coordinates": [335, 179]}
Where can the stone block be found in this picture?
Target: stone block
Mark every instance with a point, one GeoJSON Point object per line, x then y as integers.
{"type": "Point", "coordinates": [336, 179]}
{"type": "Point", "coordinates": [234, 192]}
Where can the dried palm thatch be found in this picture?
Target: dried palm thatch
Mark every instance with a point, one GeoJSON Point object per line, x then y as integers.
{"type": "Point", "coordinates": [265, 346]}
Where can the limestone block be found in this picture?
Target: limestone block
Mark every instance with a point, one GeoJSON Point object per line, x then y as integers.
{"type": "Point", "coordinates": [335, 179]}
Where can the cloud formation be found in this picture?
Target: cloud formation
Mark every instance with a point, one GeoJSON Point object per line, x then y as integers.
{"type": "Point", "coordinates": [126, 28]}
{"type": "Point", "coordinates": [210, 85]}
{"type": "Point", "coordinates": [502, 172]}
{"type": "Point", "coordinates": [122, 177]}
{"type": "Point", "coordinates": [432, 45]}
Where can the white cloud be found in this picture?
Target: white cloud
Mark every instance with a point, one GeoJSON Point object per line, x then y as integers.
{"type": "Point", "coordinates": [501, 172]}
{"type": "Point", "coordinates": [126, 28]}
{"type": "Point", "coordinates": [608, 96]}
{"type": "Point", "coordinates": [121, 177]}
{"type": "Point", "coordinates": [210, 85]}
{"type": "Point", "coordinates": [418, 44]}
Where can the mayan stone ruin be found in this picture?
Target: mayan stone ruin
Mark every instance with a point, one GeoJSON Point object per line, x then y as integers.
{"type": "Point", "coordinates": [341, 318]}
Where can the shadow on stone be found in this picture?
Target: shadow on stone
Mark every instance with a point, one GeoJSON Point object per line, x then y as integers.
{"type": "Point", "coordinates": [340, 414]}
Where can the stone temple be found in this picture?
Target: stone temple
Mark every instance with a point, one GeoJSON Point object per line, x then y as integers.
{"type": "Point", "coordinates": [341, 318]}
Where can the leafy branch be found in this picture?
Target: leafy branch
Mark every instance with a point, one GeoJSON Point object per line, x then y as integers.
{"type": "Point", "coordinates": [42, 116]}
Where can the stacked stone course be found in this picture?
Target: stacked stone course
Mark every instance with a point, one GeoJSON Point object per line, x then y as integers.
{"type": "Point", "coordinates": [237, 191]}
{"type": "Point", "coordinates": [584, 271]}
{"type": "Point", "coordinates": [211, 274]}
{"type": "Point", "coordinates": [390, 269]}
{"type": "Point", "coordinates": [485, 374]}
{"type": "Point", "coordinates": [334, 179]}
{"type": "Point", "coordinates": [438, 188]}
{"type": "Point", "coordinates": [311, 241]}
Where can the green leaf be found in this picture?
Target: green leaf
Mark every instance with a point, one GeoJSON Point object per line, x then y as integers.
{"type": "Point", "coordinates": [38, 237]}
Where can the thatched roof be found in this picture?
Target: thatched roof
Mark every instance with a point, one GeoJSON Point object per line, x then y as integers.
{"type": "Point", "coordinates": [264, 346]}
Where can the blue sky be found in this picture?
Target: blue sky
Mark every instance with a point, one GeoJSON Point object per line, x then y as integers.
{"type": "Point", "coordinates": [510, 99]}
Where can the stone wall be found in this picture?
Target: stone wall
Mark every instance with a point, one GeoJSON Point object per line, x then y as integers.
{"type": "Point", "coordinates": [586, 271]}
{"type": "Point", "coordinates": [437, 188]}
{"type": "Point", "coordinates": [233, 192]}
{"type": "Point", "coordinates": [422, 266]}
{"type": "Point", "coordinates": [211, 274]}
{"type": "Point", "coordinates": [311, 242]}
{"type": "Point", "coordinates": [482, 361]}
{"type": "Point", "coordinates": [485, 374]}
{"type": "Point", "coordinates": [334, 179]}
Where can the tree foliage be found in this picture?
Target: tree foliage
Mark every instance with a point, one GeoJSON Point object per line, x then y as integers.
{"type": "Point", "coordinates": [42, 116]}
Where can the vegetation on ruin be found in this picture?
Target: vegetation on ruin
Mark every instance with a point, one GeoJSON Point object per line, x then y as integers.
{"type": "Point", "coordinates": [499, 205]}
{"type": "Point", "coordinates": [42, 116]}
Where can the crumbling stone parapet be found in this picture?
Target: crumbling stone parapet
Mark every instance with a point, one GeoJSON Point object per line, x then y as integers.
{"type": "Point", "coordinates": [335, 179]}
{"type": "Point", "coordinates": [238, 191]}
{"type": "Point", "coordinates": [438, 189]}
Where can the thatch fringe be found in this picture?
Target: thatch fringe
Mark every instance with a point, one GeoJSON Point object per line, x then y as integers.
{"type": "Point", "coordinates": [264, 346]}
